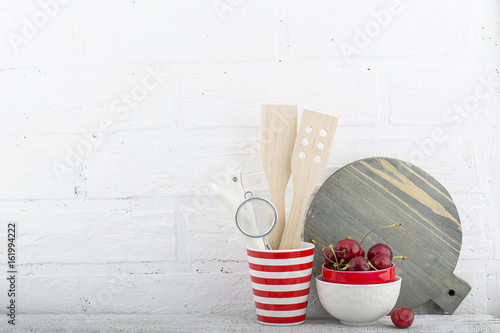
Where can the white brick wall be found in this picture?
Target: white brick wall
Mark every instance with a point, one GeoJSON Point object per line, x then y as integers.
{"type": "Point", "coordinates": [115, 116]}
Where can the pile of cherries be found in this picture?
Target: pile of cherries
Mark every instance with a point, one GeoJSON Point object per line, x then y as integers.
{"type": "Point", "coordinates": [347, 255]}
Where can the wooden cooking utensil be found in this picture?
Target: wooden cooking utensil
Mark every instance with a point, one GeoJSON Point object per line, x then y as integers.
{"type": "Point", "coordinates": [382, 191]}
{"type": "Point", "coordinates": [310, 157]}
{"type": "Point", "coordinates": [278, 134]}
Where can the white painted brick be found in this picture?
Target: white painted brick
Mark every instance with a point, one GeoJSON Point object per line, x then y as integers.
{"type": "Point", "coordinates": [477, 245]}
{"type": "Point", "coordinates": [78, 100]}
{"type": "Point", "coordinates": [460, 164]}
{"type": "Point", "coordinates": [172, 293]}
{"type": "Point", "coordinates": [212, 235]}
{"type": "Point", "coordinates": [475, 302]}
{"type": "Point", "coordinates": [457, 163]}
{"type": "Point", "coordinates": [217, 156]}
{"type": "Point", "coordinates": [235, 99]}
{"type": "Point", "coordinates": [476, 218]}
{"type": "Point", "coordinates": [348, 149]}
{"type": "Point", "coordinates": [121, 171]}
{"type": "Point", "coordinates": [173, 168]}
{"type": "Point", "coordinates": [461, 36]}
{"type": "Point", "coordinates": [442, 96]}
{"type": "Point", "coordinates": [94, 237]}
{"type": "Point", "coordinates": [159, 32]}
{"type": "Point", "coordinates": [44, 294]}
{"type": "Point", "coordinates": [52, 238]}
{"type": "Point", "coordinates": [492, 294]}
{"type": "Point", "coordinates": [137, 236]}
{"type": "Point", "coordinates": [32, 36]}
{"type": "Point", "coordinates": [27, 168]}
{"type": "Point", "coordinates": [411, 30]}
{"type": "Point", "coordinates": [337, 22]}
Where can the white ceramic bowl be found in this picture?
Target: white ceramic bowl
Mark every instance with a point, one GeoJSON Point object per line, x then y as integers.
{"type": "Point", "coordinates": [357, 304]}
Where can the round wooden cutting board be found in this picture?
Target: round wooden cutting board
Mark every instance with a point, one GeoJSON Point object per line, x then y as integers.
{"type": "Point", "coordinates": [381, 191]}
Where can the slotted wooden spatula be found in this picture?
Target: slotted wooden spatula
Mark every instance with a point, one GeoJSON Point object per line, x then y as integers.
{"type": "Point", "coordinates": [309, 159]}
{"type": "Point", "coordinates": [278, 134]}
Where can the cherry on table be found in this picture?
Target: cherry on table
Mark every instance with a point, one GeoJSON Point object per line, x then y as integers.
{"type": "Point", "coordinates": [402, 317]}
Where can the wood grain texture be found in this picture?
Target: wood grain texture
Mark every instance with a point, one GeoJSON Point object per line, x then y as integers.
{"type": "Point", "coordinates": [278, 134]}
{"type": "Point", "coordinates": [310, 157]}
{"type": "Point", "coordinates": [380, 191]}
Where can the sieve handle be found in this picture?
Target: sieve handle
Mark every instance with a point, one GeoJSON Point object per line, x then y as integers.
{"type": "Point", "coordinates": [230, 205]}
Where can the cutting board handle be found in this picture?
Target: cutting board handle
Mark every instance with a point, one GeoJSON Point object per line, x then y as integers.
{"type": "Point", "coordinates": [451, 291]}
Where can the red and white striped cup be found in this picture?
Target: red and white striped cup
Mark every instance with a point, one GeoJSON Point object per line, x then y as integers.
{"type": "Point", "coordinates": [280, 282]}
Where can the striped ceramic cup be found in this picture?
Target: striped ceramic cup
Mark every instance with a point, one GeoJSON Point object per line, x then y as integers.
{"type": "Point", "coordinates": [280, 282]}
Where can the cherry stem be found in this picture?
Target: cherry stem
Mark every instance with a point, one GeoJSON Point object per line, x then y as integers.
{"type": "Point", "coordinates": [344, 268]}
{"type": "Point", "coordinates": [331, 249]}
{"type": "Point", "coordinates": [369, 263]}
{"type": "Point", "coordinates": [385, 226]}
{"type": "Point", "coordinates": [341, 266]}
{"type": "Point", "coordinates": [316, 243]}
{"type": "Point", "coordinates": [400, 257]}
{"type": "Point", "coordinates": [333, 262]}
{"type": "Point", "coordinates": [323, 247]}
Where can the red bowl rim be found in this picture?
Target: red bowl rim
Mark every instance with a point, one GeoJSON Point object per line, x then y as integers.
{"type": "Point", "coordinates": [359, 272]}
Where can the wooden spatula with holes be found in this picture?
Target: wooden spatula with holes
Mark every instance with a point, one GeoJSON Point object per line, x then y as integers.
{"type": "Point", "coordinates": [309, 160]}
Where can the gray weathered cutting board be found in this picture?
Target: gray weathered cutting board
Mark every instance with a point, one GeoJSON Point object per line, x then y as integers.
{"type": "Point", "coordinates": [382, 191]}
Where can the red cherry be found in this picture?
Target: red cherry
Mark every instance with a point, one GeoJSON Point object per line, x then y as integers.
{"type": "Point", "coordinates": [352, 247]}
{"type": "Point", "coordinates": [329, 256]}
{"type": "Point", "coordinates": [362, 253]}
{"type": "Point", "coordinates": [358, 263]}
{"type": "Point", "coordinates": [381, 261]}
{"type": "Point", "coordinates": [402, 317]}
{"type": "Point", "coordinates": [378, 249]}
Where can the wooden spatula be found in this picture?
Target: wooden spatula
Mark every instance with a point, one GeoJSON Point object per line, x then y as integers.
{"type": "Point", "coordinates": [278, 134]}
{"type": "Point", "coordinates": [310, 157]}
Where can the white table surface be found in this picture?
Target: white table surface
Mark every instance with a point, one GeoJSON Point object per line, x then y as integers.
{"type": "Point", "coordinates": [247, 323]}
